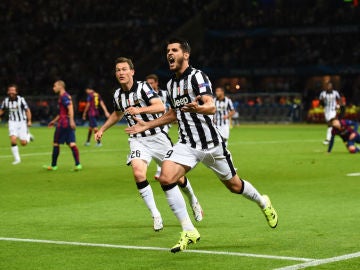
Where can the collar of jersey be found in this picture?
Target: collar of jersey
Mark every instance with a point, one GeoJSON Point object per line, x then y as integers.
{"type": "Point", "coordinates": [185, 73]}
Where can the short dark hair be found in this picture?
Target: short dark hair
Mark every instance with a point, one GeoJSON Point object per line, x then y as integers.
{"type": "Point", "coordinates": [184, 45]}
{"type": "Point", "coordinates": [13, 85]}
{"type": "Point", "coordinates": [152, 76]}
{"type": "Point", "coordinates": [124, 60]}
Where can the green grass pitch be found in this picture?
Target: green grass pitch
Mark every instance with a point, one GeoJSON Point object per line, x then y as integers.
{"type": "Point", "coordinates": [317, 203]}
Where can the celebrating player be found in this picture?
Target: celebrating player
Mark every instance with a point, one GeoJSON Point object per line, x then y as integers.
{"type": "Point", "coordinates": [19, 120]}
{"type": "Point", "coordinates": [192, 104]}
{"type": "Point", "coordinates": [347, 130]}
{"type": "Point", "coordinates": [224, 112]}
{"type": "Point", "coordinates": [137, 98]}
{"type": "Point", "coordinates": [65, 128]}
{"type": "Point", "coordinates": [93, 101]}
{"type": "Point", "coordinates": [330, 99]}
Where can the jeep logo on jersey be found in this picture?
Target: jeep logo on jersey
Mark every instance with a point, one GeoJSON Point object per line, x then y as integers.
{"type": "Point", "coordinates": [181, 101]}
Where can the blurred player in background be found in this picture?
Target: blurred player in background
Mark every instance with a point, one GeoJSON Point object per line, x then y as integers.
{"type": "Point", "coordinates": [348, 131]}
{"type": "Point", "coordinates": [93, 102]}
{"type": "Point", "coordinates": [153, 80]}
{"type": "Point", "coordinates": [192, 105]}
{"type": "Point", "coordinates": [65, 128]}
{"type": "Point", "coordinates": [224, 112]}
{"type": "Point", "coordinates": [19, 121]}
{"type": "Point", "coordinates": [137, 98]}
{"type": "Point", "coordinates": [330, 99]}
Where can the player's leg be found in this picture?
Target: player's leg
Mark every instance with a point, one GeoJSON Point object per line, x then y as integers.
{"type": "Point", "coordinates": [13, 135]}
{"type": "Point", "coordinates": [139, 168]}
{"type": "Point", "coordinates": [90, 130]}
{"type": "Point", "coordinates": [172, 169]}
{"type": "Point", "coordinates": [162, 148]}
{"type": "Point", "coordinates": [140, 158]}
{"type": "Point", "coordinates": [15, 150]}
{"type": "Point", "coordinates": [220, 161]}
{"type": "Point", "coordinates": [185, 185]}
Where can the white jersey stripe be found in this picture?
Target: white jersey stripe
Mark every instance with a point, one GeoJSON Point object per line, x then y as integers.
{"type": "Point", "coordinates": [138, 96]}
{"type": "Point", "coordinates": [16, 108]}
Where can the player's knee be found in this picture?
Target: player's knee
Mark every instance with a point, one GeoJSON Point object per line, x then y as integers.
{"type": "Point", "coordinates": [23, 142]}
{"type": "Point", "coordinates": [166, 180]}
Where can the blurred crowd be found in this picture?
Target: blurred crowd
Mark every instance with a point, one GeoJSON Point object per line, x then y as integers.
{"type": "Point", "coordinates": [78, 41]}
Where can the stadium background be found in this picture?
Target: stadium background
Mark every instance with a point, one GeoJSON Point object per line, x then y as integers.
{"type": "Point", "coordinates": [273, 56]}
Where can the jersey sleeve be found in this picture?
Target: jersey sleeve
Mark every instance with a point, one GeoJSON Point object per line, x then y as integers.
{"type": "Point", "coordinates": [2, 106]}
{"type": "Point", "coordinates": [201, 84]}
{"type": "Point", "coordinates": [147, 93]}
{"type": "Point", "coordinates": [231, 105]}
{"type": "Point", "coordinates": [117, 102]}
{"type": "Point", "coordinates": [24, 104]}
{"type": "Point", "coordinates": [66, 100]}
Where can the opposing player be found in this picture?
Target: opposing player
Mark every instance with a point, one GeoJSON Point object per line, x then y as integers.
{"type": "Point", "coordinates": [348, 131]}
{"type": "Point", "coordinates": [137, 98]}
{"type": "Point", "coordinates": [93, 102]}
{"type": "Point", "coordinates": [19, 120]}
{"type": "Point", "coordinates": [153, 80]}
{"type": "Point", "coordinates": [330, 99]}
{"type": "Point", "coordinates": [224, 112]}
{"type": "Point", "coordinates": [192, 104]}
{"type": "Point", "coordinates": [65, 128]}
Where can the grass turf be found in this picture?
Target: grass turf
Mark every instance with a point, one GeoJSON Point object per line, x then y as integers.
{"type": "Point", "coordinates": [316, 202]}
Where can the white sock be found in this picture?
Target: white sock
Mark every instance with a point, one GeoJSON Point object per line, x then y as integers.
{"type": "Point", "coordinates": [158, 171]}
{"type": "Point", "coordinates": [15, 152]}
{"type": "Point", "coordinates": [189, 192]}
{"type": "Point", "coordinates": [328, 133]}
{"type": "Point", "coordinates": [177, 204]}
{"type": "Point", "coordinates": [147, 194]}
{"type": "Point", "coordinates": [252, 194]}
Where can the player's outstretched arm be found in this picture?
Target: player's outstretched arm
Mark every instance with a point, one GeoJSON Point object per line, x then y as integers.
{"type": "Point", "coordinates": [112, 120]}
{"type": "Point", "coordinates": [141, 126]}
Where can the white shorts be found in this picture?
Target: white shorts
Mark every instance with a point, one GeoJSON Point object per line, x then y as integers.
{"type": "Point", "coordinates": [329, 115]}
{"type": "Point", "coordinates": [218, 159]}
{"type": "Point", "coordinates": [224, 131]}
{"type": "Point", "coordinates": [148, 148]}
{"type": "Point", "coordinates": [18, 129]}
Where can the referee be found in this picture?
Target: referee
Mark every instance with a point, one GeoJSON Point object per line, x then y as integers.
{"type": "Point", "coordinates": [19, 120]}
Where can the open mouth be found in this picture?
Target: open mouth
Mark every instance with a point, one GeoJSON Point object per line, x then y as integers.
{"type": "Point", "coordinates": [171, 60]}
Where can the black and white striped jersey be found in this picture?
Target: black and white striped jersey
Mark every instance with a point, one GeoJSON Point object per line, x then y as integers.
{"type": "Point", "coordinates": [223, 107]}
{"type": "Point", "coordinates": [138, 96]}
{"type": "Point", "coordinates": [163, 94]}
{"type": "Point", "coordinates": [330, 99]}
{"type": "Point", "coordinates": [196, 130]}
{"type": "Point", "coordinates": [16, 108]}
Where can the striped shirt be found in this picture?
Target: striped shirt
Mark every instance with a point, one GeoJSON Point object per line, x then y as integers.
{"type": "Point", "coordinates": [139, 95]}
{"type": "Point", "coordinates": [94, 100]}
{"type": "Point", "coordinates": [196, 130]}
{"type": "Point", "coordinates": [63, 103]}
{"type": "Point", "coordinates": [16, 108]}
{"type": "Point", "coordinates": [223, 107]}
{"type": "Point", "coordinates": [330, 100]}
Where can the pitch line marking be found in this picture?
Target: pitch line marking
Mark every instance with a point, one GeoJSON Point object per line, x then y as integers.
{"type": "Point", "coordinates": [154, 248]}
{"type": "Point", "coordinates": [321, 261]}
{"type": "Point", "coordinates": [353, 174]}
